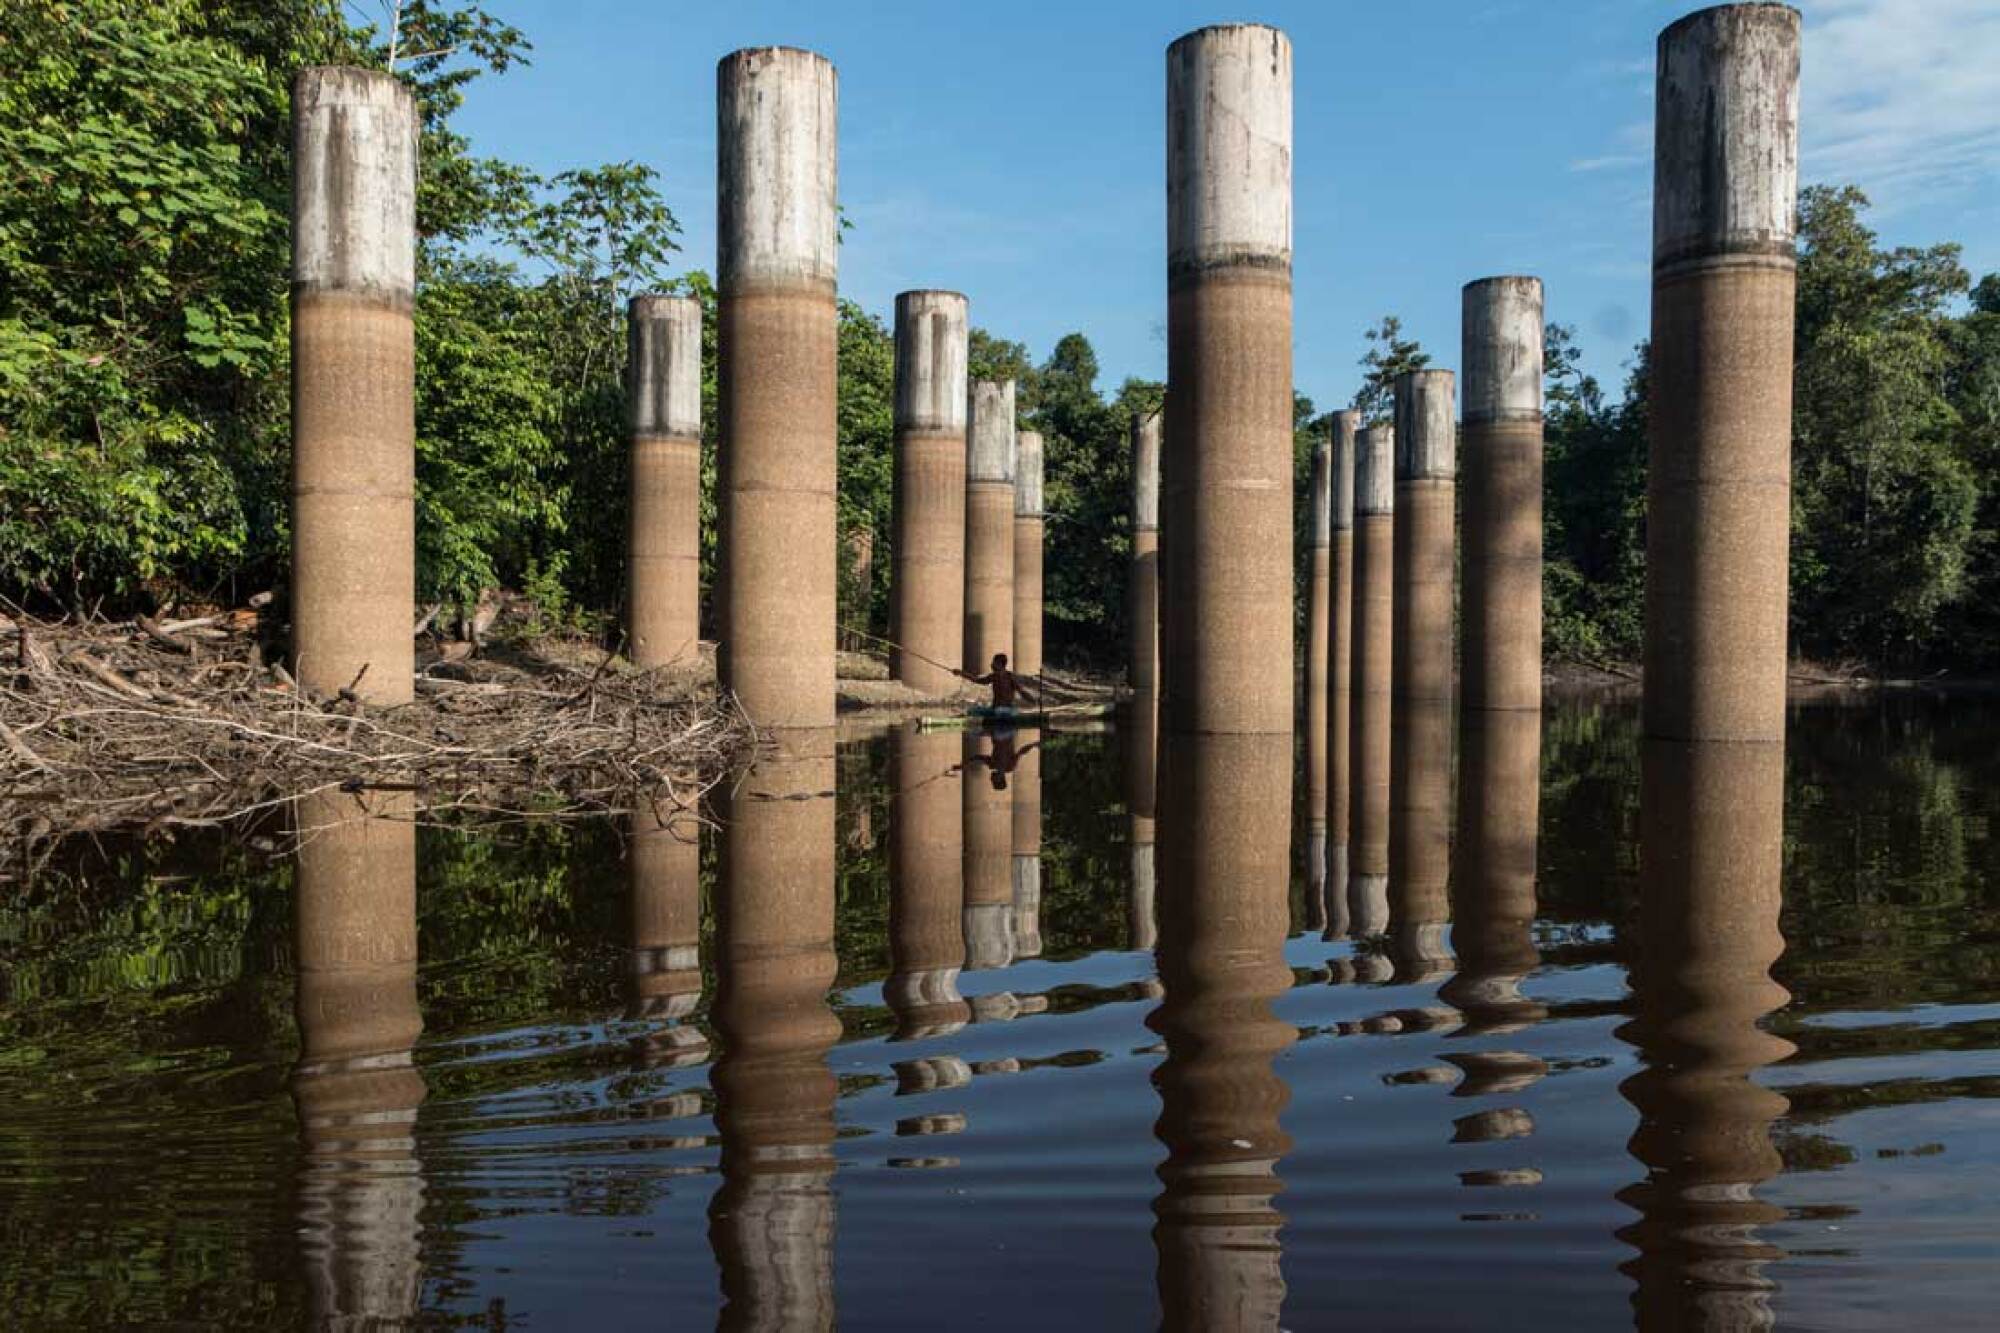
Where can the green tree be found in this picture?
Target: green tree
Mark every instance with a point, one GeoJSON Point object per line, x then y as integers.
{"type": "Point", "coordinates": [1389, 354]}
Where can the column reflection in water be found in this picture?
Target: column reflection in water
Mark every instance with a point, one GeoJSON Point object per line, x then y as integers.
{"type": "Point", "coordinates": [362, 1191]}
{"type": "Point", "coordinates": [771, 1221]}
{"type": "Point", "coordinates": [1711, 848]}
{"type": "Point", "coordinates": [665, 863]}
{"type": "Point", "coordinates": [1420, 838]}
{"type": "Point", "coordinates": [1224, 915]}
{"type": "Point", "coordinates": [1142, 752]}
{"type": "Point", "coordinates": [990, 759]}
{"type": "Point", "coordinates": [926, 885]}
{"type": "Point", "coordinates": [1027, 846]}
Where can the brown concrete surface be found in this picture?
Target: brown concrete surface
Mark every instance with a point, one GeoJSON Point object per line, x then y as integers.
{"type": "Point", "coordinates": [1143, 606]}
{"type": "Point", "coordinates": [353, 592]}
{"type": "Point", "coordinates": [1340, 638]}
{"type": "Point", "coordinates": [1501, 485]}
{"type": "Point", "coordinates": [1319, 596]}
{"type": "Point", "coordinates": [927, 582]}
{"type": "Point", "coordinates": [1371, 655]}
{"type": "Point", "coordinates": [1140, 729]}
{"type": "Point", "coordinates": [1719, 462]}
{"type": "Point", "coordinates": [663, 851]}
{"type": "Point", "coordinates": [1493, 869]}
{"type": "Point", "coordinates": [663, 413]}
{"type": "Point", "coordinates": [926, 884]}
{"type": "Point", "coordinates": [1420, 838]}
{"type": "Point", "coordinates": [1426, 536]}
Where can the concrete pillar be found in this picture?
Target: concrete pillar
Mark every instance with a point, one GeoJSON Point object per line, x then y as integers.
{"type": "Point", "coordinates": [1371, 655]}
{"type": "Point", "coordinates": [989, 525]}
{"type": "Point", "coordinates": [1340, 637]}
{"type": "Point", "coordinates": [1319, 661]}
{"type": "Point", "coordinates": [663, 409]}
{"type": "Point", "coordinates": [1141, 730]}
{"type": "Point", "coordinates": [1426, 536]}
{"type": "Point", "coordinates": [664, 852]}
{"type": "Point", "coordinates": [1028, 520]}
{"type": "Point", "coordinates": [1226, 640]}
{"type": "Point", "coordinates": [989, 850]}
{"type": "Point", "coordinates": [1027, 849]}
{"type": "Point", "coordinates": [1419, 837]}
{"type": "Point", "coordinates": [926, 885]}
{"type": "Point", "coordinates": [927, 584]}
{"type": "Point", "coordinates": [1502, 356]}
{"type": "Point", "coordinates": [1711, 847]}
{"type": "Point", "coordinates": [1143, 610]}
{"type": "Point", "coordinates": [777, 243]}
{"type": "Point", "coordinates": [1493, 875]}
{"type": "Point", "coordinates": [771, 1222]}
{"type": "Point", "coordinates": [1718, 489]}
{"type": "Point", "coordinates": [354, 268]}
{"type": "Point", "coordinates": [1224, 909]}
{"type": "Point", "coordinates": [361, 1189]}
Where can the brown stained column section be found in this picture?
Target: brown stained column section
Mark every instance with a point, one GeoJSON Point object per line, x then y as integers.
{"type": "Point", "coordinates": [361, 1191]}
{"type": "Point", "coordinates": [1224, 909]}
{"type": "Point", "coordinates": [1319, 596]}
{"type": "Point", "coordinates": [663, 408]}
{"type": "Point", "coordinates": [771, 1222]}
{"type": "Point", "coordinates": [1710, 890]}
{"type": "Point", "coordinates": [664, 847]}
{"type": "Point", "coordinates": [1028, 521]}
{"type": "Point", "coordinates": [1370, 693]}
{"type": "Point", "coordinates": [1420, 838]}
{"type": "Point", "coordinates": [1226, 628]}
{"type": "Point", "coordinates": [1493, 872]}
{"type": "Point", "coordinates": [989, 525]}
{"type": "Point", "coordinates": [927, 583]}
{"type": "Point", "coordinates": [1502, 356]}
{"type": "Point", "coordinates": [989, 850]}
{"type": "Point", "coordinates": [354, 263]}
{"type": "Point", "coordinates": [926, 885]}
{"type": "Point", "coordinates": [1143, 609]}
{"type": "Point", "coordinates": [776, 336]}
{"type": "Point", "coordinates": [1340, 638]}
{"type": "Point", "coordinates": [1027, 849]}
{"type": "Point", "coordinates": [1141, 730]}
{"type": "Point", "coordinates": [1718, 492]}
{"type": "Point", "coordinates": [1426, 536]}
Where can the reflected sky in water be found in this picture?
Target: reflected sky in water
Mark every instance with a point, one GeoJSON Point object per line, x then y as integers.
{"type": "Point", "coordinates": [1097, 1030]}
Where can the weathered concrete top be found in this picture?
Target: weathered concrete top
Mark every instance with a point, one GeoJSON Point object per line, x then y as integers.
{"type": "Point", "coordinates": [1375, 470]}
{"type": "Point", "coordinates": [1346, 425]}
{"type": "Point", "coordinates": [1502, 349]}
{"type": "Point", "coordinates": [1229, 149]}
{"type": "Point", "coordinates": [930, 361]}
{"type": "Point", "coordinates": [1146, 471]}
{"type": "Point", "coordinates": [989, 437]}
{"type": "Point", "coordinates": [1319, 494]}
{"type": "Point", "coordinates": [777, 114]}
{"type": "Point", "coordinates": [663, 365]}
{"type": "Point", "coordinates": [1028, 474]}
{"type": "Point", "coordinates": [1726, 134]}
{"type": "Point", "coordinates": [1426, 434]}
{"type": "Point", "coordinates": [354, 182]}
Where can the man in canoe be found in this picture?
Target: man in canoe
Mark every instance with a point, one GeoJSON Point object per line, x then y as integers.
{"type": "Point", "coordinates": [1006, 687]}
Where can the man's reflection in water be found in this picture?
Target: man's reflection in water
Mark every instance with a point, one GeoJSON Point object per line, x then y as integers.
{"type": "Point", "coordinates": [771, 1222]}
{"type": "Point", "coordinates": [1419, 839]}
{"type": "Point", "coordinates": [362, 1191]}
{"type": "Point", "coordinates": [1027, 868]}
{"type": "Point", "coordinates": [990, 758]}
{"type": "Point", "coordinates": [664, 851]}
{"type": "Point", "coordinates": [1711, 847]}
{"type": "Point", "coordinates": [1224, 915]}
{"type": "Point", "coordinates": [926, 885]}
{"type": "Point", "coordinates": [1142, 740]}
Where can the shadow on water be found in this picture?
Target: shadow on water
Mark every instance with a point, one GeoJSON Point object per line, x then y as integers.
{"type": "Point", "coordinates": [1581, 1030]}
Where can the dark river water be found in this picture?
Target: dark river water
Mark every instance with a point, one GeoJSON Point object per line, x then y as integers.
{"type": "Point", "coordinates": [903, 1048]}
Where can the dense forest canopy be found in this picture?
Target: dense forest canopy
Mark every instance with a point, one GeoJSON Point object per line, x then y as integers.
{"type": "Point", "coordinates": [144, 365]}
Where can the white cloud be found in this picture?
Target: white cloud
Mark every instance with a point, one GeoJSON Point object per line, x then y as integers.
{"type": "Point", "coordinates": [1901, 96]}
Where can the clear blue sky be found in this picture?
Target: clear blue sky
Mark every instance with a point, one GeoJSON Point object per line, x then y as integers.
{"type": "Point", "coordinates": [1014, 151]}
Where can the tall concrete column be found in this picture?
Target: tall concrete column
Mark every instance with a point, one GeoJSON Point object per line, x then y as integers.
{"type": "Point", "coordinates": [354, 270]}
{"type": "Point", "coordinates": [989, 850]}
{"type": "Point", "coordinates": [1142, 670]}
{"type": "Point", "coordinates": [926, 885]}
{"type": "Point", "coordinates": [1224, 909]}
{"type": "Point", "coordinates": [1027, 849]}
{"type": "Point", "coordinates": [664, 851]}
{"type": "Point", "coordinates": [1718, 489]}
{"type": "Point", "coordinates": [1319, 661]}
{"type": "Point", "coordinates": [1419, 837]}
{"type": "Point", "coordinates": [1226, 640]}
{"type": "Point", "coordinates": [1426, 535]}
{"type": "Point", "coordinates": [1340, 637]}
{"type": "Point", "coordinates": [1028, 521]}
{"type": "Point", "coordinates": [989, 524]}
{"type": "Point", "coordinates": [1502, 356]}
{"type": "Point", "coordinates": [771, 1221]}
{"type": "Point", "coordinates": [663, 408]}
{"type": "Point", "coordinates": [927, 584]}
{"type": "Point", "coordinates": [361, 1191]}
{"type": "Point", "coordinates": [777, 244]}
{"type": "Point", "coordinates": [1372, 656]}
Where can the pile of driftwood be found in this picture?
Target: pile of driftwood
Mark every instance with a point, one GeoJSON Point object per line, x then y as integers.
{"type": "Point", "coordinates": [159, 722]}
